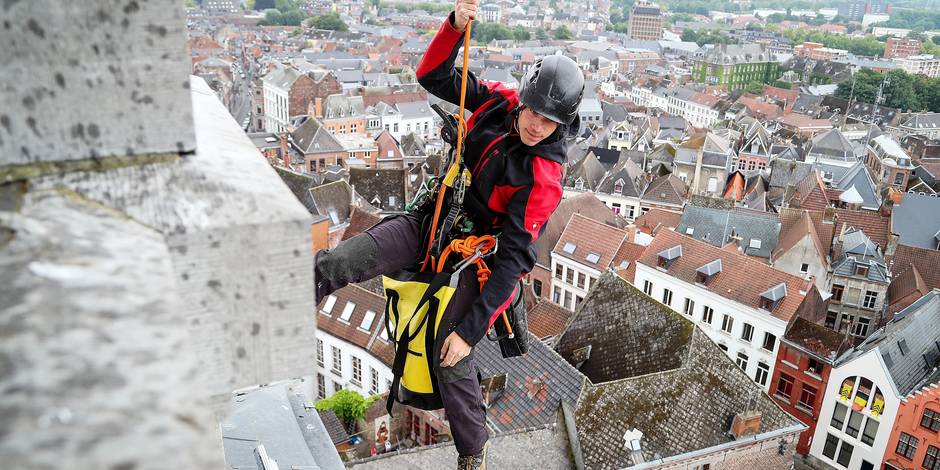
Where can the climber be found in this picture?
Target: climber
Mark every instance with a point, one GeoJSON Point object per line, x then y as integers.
{"type": "Point", "coordinates": [515, 151]}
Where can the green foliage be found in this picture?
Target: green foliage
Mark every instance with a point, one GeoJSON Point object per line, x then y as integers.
{"type": "Point", "coordinates": [485, 32]}
{"type": "Point", "coordinates": [563, 33]}
{"type": "Point", "coordinates": [782, 84]}
{"type": "Point", "coordinates": [348, 405]}
{"type": "Point", "coordinates": [330, 21]}
{"type": "Point", "coordinates": [426, 6]}
{"type": "Point", "coordinates": [867, 46]}
{"type": "Point", "coordinates": [706, 36]}
{"type": "Point", "coordinates": [284, 12]}
{"type": "Point", "coordinates": [519, 33]}
{"type": "Point", "coordinates": [541, 35]}
{"type": "Point", "coordinates": [902, 91]}
{"type": "Point", "coordinates": [923, 20]}
{"type": "Point", "coordinates": [754, 88]}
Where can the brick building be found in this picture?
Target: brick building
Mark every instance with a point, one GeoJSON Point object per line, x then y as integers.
{"type": "Point", "coordinates": [646, 22]}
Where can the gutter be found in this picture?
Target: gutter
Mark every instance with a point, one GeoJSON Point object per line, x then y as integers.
{"type": "Point", "coordinates": [722, 447]}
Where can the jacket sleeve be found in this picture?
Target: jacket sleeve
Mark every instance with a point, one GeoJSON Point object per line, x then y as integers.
{"type": "Point", "coordinates": [437, 73]}
{"type": "Point", "coordinates": [528, 210]}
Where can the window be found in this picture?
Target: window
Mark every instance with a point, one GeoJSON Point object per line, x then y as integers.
{"type": "Point", "coordinates": [321, 386]}
{"type": "Point", "coordinates": [559, 271]}
{"type": "Point", "coordinates": [689, 306]}
{"type": "Point", "coordinates": [807, 398]}
{"type": "Point", "coordinates": [337, 361]}
{"type": "Point", "coordinates": [931, 420]}
{"type": "Point", "coordinates": [577, 301]}
{"type": "Point", "coordinates": [727, 323]}
{"type": "Point", "coordinates": [861, 327]}
{"type": "Point", "coordinates": [569, 276]}
{"type": "Point", "coordinates": [712, 184]}
{"type": "Point", "coordinates": [932, 459]}
{"type": "Point", "coordinates": [741, 361]}
{"type": "Point", "coordinates": [320, 352]}
{"type": "Point", "coordinates": [347, 312]}
{"type": "Point", "coordinates": [907, 446]}
{"type": "Point", "coordinates": [568, 300]}
{"type": "Point", "coordinates": [707, 314]}
{"type": "Point", "coordinates": [328, 305]}
{"type": "Point", "coordinates": [829, 450]}
{"type": "Point", "coordinates": [337, 386]}
{"type": "Point", "coordinates": [581, 280]}
{"type": "Point", "coordinates": [837, 292]}
{"type": "Point", "coordinates": [647, 287]}
{"type": "Point", "coordinates": [855, 423]}
{"type": "Point", "coordinates": [763, 370]}
{"type": "Point", "coordinates": [804, 268]}
{"type": "Point", "coordinates": [367, 320]}
{"type": "Point", "coordinates": [870, 298]}
{"type": "Point", "coordinates": [813, 366]}
{"type": "Point", "coordinates": [770, 341]}
{"type": "Point", "coordinates": [747, 333]}
{"type": "Point", "coordinates": [723, 346]}
{"type": "Point", "coordinates": [667, 297]}
{"type": "Point", "coordinates": [785, 386]}
{"type": "Point", "coordinates": [556, 296]}
{"type": "Point", "coordinates": [537, 287]}
{"type": "Point", "coordinates": [357, 370]}
{"type": "Point", "coordinates": [375, 381]}
{"type": "Point", "coordinates": [845, 454]}
{"type": "Point", "coordinates": [861, 270]}
{"type": "Point", "coordinates": [871, 429]}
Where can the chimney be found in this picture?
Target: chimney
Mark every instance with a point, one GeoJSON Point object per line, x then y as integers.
{"type": "Point", "coordinates": [829, 215]}
{"type": "Point", "coordinates": [285, 151]}
{"type": "Point", "coordinates": [746, 424]}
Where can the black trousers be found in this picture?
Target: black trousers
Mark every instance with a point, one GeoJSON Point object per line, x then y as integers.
{"type": "Point", "coordinates": [388, 247]}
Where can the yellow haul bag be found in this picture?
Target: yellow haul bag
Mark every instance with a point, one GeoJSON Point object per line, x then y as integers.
{"type": "Point", "coordinates": [414, 306]}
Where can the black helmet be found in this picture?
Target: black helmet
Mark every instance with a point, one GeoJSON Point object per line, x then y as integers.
{"type": "Point", "coordinates": [553, 87]}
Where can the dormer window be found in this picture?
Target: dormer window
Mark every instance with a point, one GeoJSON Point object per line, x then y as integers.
{"type": "Point", "coordinates": [579, 184]}
{"type": "Point", "coordinates": [861, 270]}
{"type": "Point", "coordinates": [772, 297]}
{"type": "Point", "coordinates": [618, 186]}
{"type": "Point", "coordinates": [705, 274]}
{"type": "Point", "coordinates": [666, 257]}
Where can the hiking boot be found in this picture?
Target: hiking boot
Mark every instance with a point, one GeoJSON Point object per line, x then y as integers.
{"type": "Point", "coordinates": [473, 462]}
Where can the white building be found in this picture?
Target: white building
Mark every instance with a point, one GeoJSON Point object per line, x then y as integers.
{"type": "Point", "coordinates": [925, 64]}
{"type": "Point", "coordinates": [868, 383]}
{"type": "Point", "coordinates": [584, 251]}
{"type": "Point", "coordinates": [352, 343]}
{"type": "Point", "coordinates": [276, 87]}
{"type": "Point", "coordinates": [742, 305]}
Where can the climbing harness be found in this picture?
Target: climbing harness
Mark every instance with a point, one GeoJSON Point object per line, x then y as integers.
{"type": "Point", "coordinates": [416, 300]}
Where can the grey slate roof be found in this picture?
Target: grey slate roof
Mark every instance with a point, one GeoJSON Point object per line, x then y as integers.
{"type": "Point", "coordinates": [858, 249]}
{"type": "Point", "coordinates": [383, 188]}
{"type": "Point", "coordinates": [918, 326]}
{"type": "Point", "coordinates": [300, 185]}
{"type": "Point", "coordinates": [716, 226]}
{"type": "Point", "coordinates": [332, 200]}
{"type": "Point", "coordinates": [917, 220]}
{"type": "Point", "coordinates": [536, 385]}
{"type": "Point", "coordinates": [414, 109]}
{"type": "Point", "coordinates": [832, 145]}
{"type": "Point", "coordinates": [311, 137]}
{"type": "Point", "coordinates": [858, 177]}
{"type": "Point", "coordinates": [275, 416]}
{"type": "Point", "coordinates": [663, 376]}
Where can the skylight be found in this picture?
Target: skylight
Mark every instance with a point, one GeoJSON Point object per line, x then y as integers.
{"type": "Point", "coordinates": [367, 320]}
{"type": "Point", "coordinates": [328, 305]}
{"type": "Point", "coordinates": [593, 258]}
{"type": "Point", "coordinates": [347, 312]}
{"type": "Point", "coordinates": [569, 248]}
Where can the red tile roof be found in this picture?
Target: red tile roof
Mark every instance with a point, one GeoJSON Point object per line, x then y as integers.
{"type": "Point", "coordinates": [586, 204]}
{"type": "Point", "coordinates": [365, 300]}
{"type": "Point", "coordinates": [742, 278]}
{"type": "Point", "coordinates": [360, 221]}
{"type": "Point", "coordinates": [926, 260]}
{"type": "Point", "coordinates": [905, 288]}
{"type": "Point", "coordinates": [629, 252]}
{"type": "Point", "coordinates": [876, 226]}
{"type": "Point", "coordinates": [656, 218]}
{"type": "Point", "coordinates": [547, 319]}
{"type": "Point", "coordinates": [590, 236]}
{"type": "Point", "coordinates": [796, 224]}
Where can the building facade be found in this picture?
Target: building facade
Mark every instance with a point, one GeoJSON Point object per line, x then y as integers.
{"type": "Point", "coordinates": [734, 66]}
{"type": "Point", "coordinates": [646, 22]}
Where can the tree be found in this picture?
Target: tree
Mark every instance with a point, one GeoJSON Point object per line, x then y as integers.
{"type": "Point", "coordinates": [330, 21]}
{"type": "Point", "coordinates": [754, 88]}
{"type": "Point", "coordinates": [262, 5]}
{"type": "Point", "coordinates": [519, 33]}
{"type": "Point", "coordinates": [541, 35]}
{"type": "Point", "coordinates": [348, 405]}
{"type": "Point", "coordinates": [563, 33]}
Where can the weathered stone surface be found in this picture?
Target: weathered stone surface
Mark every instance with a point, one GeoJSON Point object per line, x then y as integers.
{"type": "Point", "coordinates": [93, 78]}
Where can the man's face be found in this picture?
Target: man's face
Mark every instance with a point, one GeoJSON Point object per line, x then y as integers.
{"type": "Point", "coordinates": [534, 128]}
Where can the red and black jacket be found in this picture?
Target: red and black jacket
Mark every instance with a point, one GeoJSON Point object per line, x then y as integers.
{"type": "Point", "coordinates": [514, 189]}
